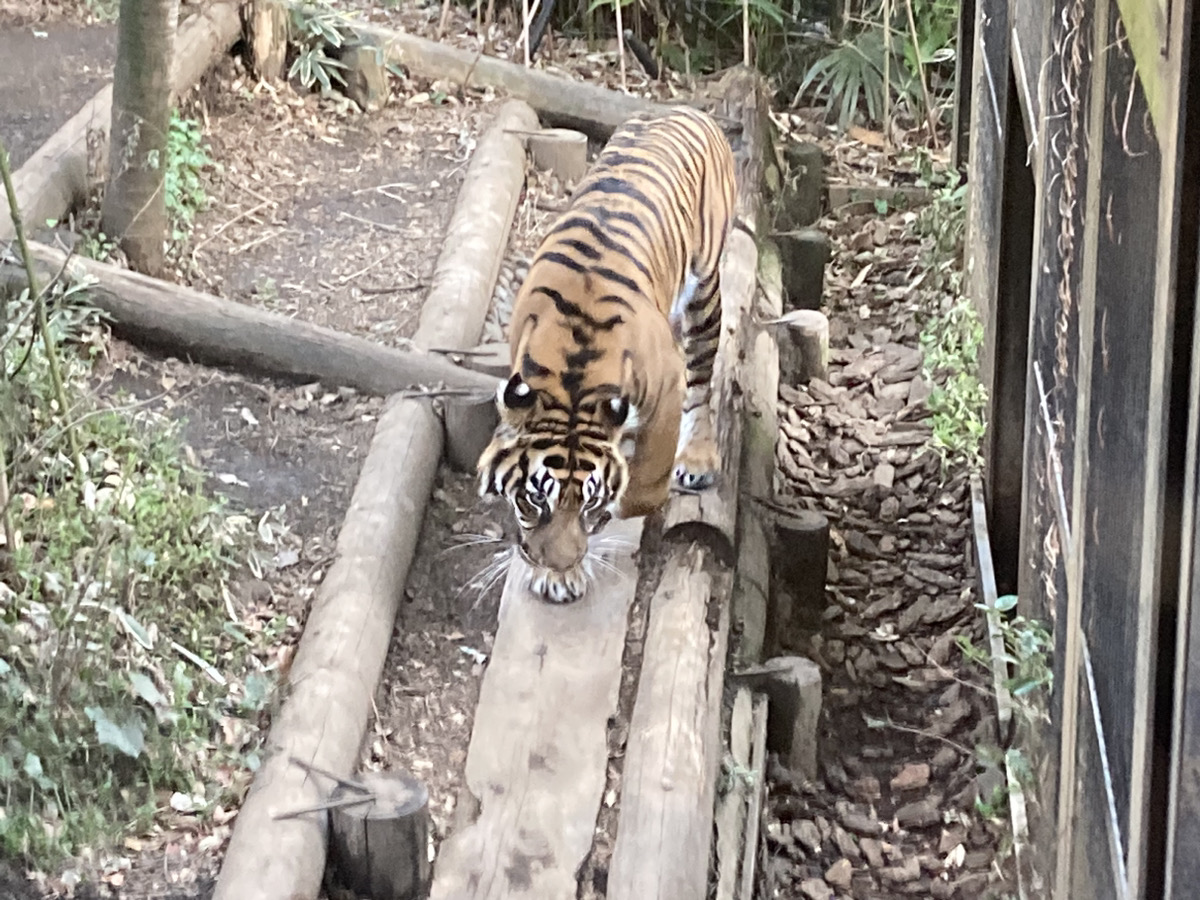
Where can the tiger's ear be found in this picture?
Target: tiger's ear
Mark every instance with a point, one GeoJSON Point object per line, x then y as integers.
{"type": "Point", "coordinates": [516, 395]}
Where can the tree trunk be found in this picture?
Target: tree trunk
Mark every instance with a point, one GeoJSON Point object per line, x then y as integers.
{"type": "Point", "coordinates": [135, 211]}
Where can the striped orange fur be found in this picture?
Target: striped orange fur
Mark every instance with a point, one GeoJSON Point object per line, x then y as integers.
{"type": "Point", "coordinates": [613, 338]}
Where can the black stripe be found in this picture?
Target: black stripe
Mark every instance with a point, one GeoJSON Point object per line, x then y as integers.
{"type": "Point", "coordinates": [531, 368]}
{"type": "Point", "coordinates": [563, 260]}
{"type": "Point", "coordinates": [617, 278]}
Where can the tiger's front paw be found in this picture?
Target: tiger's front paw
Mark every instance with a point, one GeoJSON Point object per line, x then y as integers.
{"type": "Point", "coordinates": [697, 465]}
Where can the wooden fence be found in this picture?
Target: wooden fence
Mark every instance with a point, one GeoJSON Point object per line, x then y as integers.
{"type": "Point", "coordinates": [1084, 163]}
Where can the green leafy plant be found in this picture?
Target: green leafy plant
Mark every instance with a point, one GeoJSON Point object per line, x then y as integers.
{"type": "Point", "coordinates": [1027, 649]}
{"type": "Point", "coordinates": [315, 27]}
{"type": "Point", "coordinates": [849, 74]}
{"type": "Point", "coordinates": [126, 684]}
{"type": "Point", "coordinates": [952, 335]}
{"type": "Point", "coordinates": [857, 75]}
{"type": "Point", "coordinates": [187, 158]}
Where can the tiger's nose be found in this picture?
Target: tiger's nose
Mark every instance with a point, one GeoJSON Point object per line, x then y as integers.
{"type": "Point", "coordinates": [567, 552]}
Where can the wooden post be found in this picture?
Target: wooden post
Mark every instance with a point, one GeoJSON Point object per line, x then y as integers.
{"type": "Point", "coordinates": [345, 642]}
{"type": "Point", "coordinates": [804, 346]}
{"type": "Point", "coordinates": [367, 82]}
{"type": "Point", "coordinates": [793, 686]}
{"type": "Point", "coordinates": [799, 562]}
{"type": "Point", "coordinates": [379, 849]}
{"type": "Point", "coordinates": [59, 172]}
{"type": "Point", "coordinates": [805, 253]}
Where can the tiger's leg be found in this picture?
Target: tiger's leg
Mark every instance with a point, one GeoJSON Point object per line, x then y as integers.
{"type": "Point", "coordinates": [649, 482]}
{"type": "Point", "coordinates": [696, 318]}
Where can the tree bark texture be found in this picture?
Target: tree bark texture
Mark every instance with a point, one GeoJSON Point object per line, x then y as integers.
{"type": "Point", "coordinates": [134, 211]}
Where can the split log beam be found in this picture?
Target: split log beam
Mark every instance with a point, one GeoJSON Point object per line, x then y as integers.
{"type": "Point", "coordinates": [596, 111]}
{"type": "Point", "coordinates": [333, 678]}
{"type": "Point", "coordinates": [57, 176]}
{"type": "Point", "coordinates": [668, 784]}
{"type": "Point", "coordinates": [538, 758]}
{"type": "Point", "coordinates": [208, 329]}
{"type": "Point", "coordinates": [673, 755]}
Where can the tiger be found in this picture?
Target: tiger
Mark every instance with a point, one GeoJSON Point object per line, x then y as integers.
{"type": "Point", "coordinates": [612, 341]}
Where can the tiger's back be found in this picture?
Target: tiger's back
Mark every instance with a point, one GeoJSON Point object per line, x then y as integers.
{"type": "Point", "coordinates": [626, 279]}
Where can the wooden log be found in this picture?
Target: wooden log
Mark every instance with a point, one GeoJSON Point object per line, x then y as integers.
{"type": "Point", "coordinates": [760, 428]}
{"type": "Point", "coordinates": [57, 176]}
{"type": "Point", "coordinates": [673, 757]}
{"type": "Point", "coordinates": [333, 677]}
{"type": "Point", "coordinates": [596, 111]}
{"type": "Point", "coordinates": [561, 151]}
{"type": "Point", "coordinates": [267, 28]}
{"type": "Point", "coordinates": [732, 801]}
{"type": "Point", "coordinates": [187, 323]}
{"type": "Point", "coordinates": [804, 346]}
{"type": "Point", "coordinates": [538, 759]}
{"type": "Point", "coordinates": [379, 849]}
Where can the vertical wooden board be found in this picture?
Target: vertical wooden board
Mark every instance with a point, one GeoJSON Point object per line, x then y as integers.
{"type": "Point", "coordinates": [1124, 437]}
{"type": "Point", "coordinates": [1027, 51]}
{"type": "Point", "coordinates": [1098, 870]}
{"type": "Point", "coordinates": [1182, 862]}
{"type": "Point", "coordinates": [538, 756]}
{"type": "Point", "coordinates": [666, 814]}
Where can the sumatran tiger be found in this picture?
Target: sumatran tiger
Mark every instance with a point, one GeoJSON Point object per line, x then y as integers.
{"type": "Point", "coordinates": [613, 338]}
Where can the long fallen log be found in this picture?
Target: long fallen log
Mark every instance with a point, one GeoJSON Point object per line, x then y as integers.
{"type": "Point", "coordinates": [56, 176]}
{"type": "Point", "coordinates": [333, 678]}
{"type": "Point", "coordinates": [596, 111]}
{"type": "Point", "coordinates": [209, 329]}
{"type": "Point", "coordinates": [673, 756]}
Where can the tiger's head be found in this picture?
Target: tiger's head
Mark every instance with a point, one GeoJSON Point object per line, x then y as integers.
{"type": "Point", "coordinates": [563, 474]}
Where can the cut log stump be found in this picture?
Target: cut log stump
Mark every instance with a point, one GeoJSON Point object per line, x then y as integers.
{"type": "Point", "coordinates": [379, 848]}
{"type": "Point", "coordinates": [366, 75]}
{"type": "Point", "coordinates": [804, 346]}
{"type": "Point", "coordinates": [267, 28]}
{"type": "Point", "coordinates": [561, 151]}
{"type": "Point", "coordinates": [805, 253]}
{"type": "Point", "coordinates": [337, 666]}
{"type": "Point", "coordinates": [799, 563]}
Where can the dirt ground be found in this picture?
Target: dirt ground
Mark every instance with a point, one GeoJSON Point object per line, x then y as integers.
{"type": "Point", "coordinates": [323, 213]}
